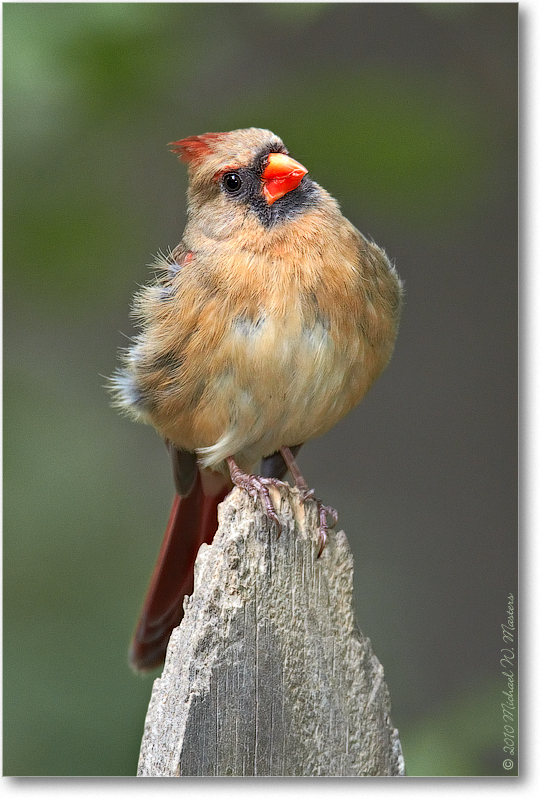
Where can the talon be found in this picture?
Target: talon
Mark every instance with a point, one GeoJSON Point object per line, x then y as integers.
{"type": "Point", "coordinates": [331, 512]}
{"type": "Point", "coordinates": [257, 487]}
{"type": "Point", "coordinates": [323, 513]}
{"type": "Point", "coordinates": [308, 494]}
{"type": "Point", "coordinates": [322, 536]}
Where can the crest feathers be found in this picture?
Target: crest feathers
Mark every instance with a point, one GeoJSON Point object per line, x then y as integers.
{"type": "Point", "coordinates": [195, 148]}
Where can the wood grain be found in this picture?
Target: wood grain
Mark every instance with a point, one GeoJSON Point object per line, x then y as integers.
{"type": "Point", "coordinates": [268, 673]}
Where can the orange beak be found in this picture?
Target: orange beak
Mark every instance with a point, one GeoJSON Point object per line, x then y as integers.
{"type": "Point", "coordinates": [281, 175]}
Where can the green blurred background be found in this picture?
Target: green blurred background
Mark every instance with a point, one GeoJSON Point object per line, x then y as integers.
{"type": "Point", "coordinates": [407, 114]}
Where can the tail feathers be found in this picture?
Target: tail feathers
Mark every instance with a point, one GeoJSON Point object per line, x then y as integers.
{"type": "Point", "coordinates": [193, 521]}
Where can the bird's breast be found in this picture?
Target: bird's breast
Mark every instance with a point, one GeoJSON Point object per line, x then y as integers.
{"type": "Point", "coordinates": [275, 380]}
{"type": "Point", "coordinates": [242, 361]}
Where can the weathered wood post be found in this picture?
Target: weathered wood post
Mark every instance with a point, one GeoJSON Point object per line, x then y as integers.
{"type": "Point", "coordinates": [268, 673]}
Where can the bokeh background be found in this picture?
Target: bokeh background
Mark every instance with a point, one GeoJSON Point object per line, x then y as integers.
{"type": "Point", "coordinates": [407, 114]}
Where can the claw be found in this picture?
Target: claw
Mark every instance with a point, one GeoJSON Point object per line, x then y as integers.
{"type": "Point", "coordinates": [257, 487]}
{"type": "Point", "coordinates": [308, 494]}
{"type": "Point", "coordinates": [323, 513]}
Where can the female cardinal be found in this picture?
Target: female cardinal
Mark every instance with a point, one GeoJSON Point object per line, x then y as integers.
{"type": "Point", "coordinates": [267, 324]}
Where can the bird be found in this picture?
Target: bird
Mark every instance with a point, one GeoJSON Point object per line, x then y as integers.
{"type": "Point", "coordinates": [259, 331]}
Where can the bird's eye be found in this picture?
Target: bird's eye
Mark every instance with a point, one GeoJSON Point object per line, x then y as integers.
{"type": "Point", "coordinates": [232, 182]}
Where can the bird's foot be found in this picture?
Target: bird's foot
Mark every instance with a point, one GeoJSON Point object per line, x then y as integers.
{"type": "Point", "coordinates": [308, 494]}
{"type": "Point", "coordinates": [257, 487]}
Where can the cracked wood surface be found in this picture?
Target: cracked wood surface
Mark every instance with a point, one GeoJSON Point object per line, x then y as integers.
{"type": "Point", "coordinates": [268, 673]}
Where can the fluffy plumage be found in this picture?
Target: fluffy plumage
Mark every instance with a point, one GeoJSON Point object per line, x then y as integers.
{"type": "Point", "coordinates": [258, 336]}
{"type": "Point", "coordinates": [268, 322]}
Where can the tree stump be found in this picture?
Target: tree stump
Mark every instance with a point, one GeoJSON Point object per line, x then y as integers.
{"type": "Point", "coordinates": [268, 674]}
